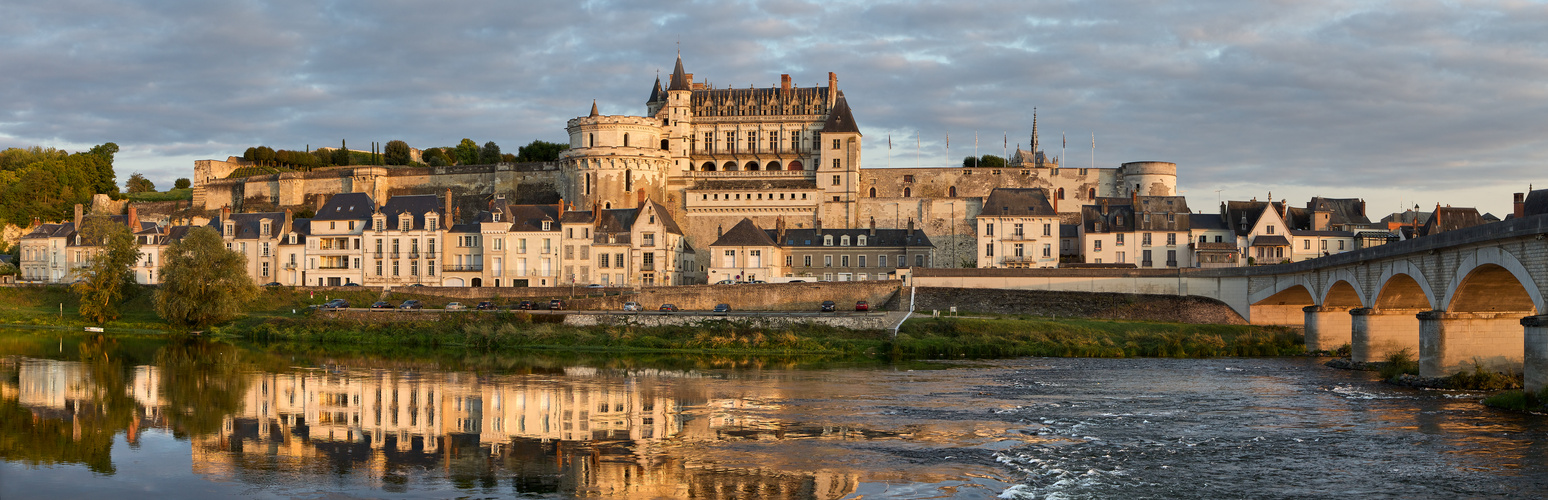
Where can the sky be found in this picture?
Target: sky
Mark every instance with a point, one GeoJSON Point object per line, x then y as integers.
{"type": "Point", "coordinates": [1399, 103]}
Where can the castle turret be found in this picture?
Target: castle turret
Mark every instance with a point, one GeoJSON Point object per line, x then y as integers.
{"type": "Point", "coordinates": [1147, 178]}
{"type": "Point", "coordinates": [613, 160]}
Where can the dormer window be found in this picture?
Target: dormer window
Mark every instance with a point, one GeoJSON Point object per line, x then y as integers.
{"type": "Point", "coordinates": [266, 229]}
{"type": "Point", "coordinates": [860, 240]}
{"type": "Point", "coordinates": [380, 224]}
{"type": "Point", "coordinates": [230, 229]}
{"type": "Point", "coordinates": [827, 240]}
{"type": "Point", "coordinates": [547, 225]}
{"type": "Point", "coordinates": [496, 216]}
{"type": "Point", "coordinates": [430, 223]}
{"type": "Point", "coordinates": [406, 223]}
{"type": "Point", "coordinates": [292, 239]}
{"type": "Point", "coordinates": [844, 241]}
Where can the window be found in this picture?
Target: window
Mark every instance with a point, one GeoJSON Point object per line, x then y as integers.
{"type": "Point", "coordinates": [413, 268]}
{"type": "Point", "coordinates": [395, 267]}
{"type": "Point", "coordinates": [1271, 229]}
{"type": "Point", "coordinates": [860, 240]}
{"type": "Point", "coordinates": [908, 192]}
{"type": "Point", "coordinates": [648, 239]}
{"type": "Point", "coordinates": [1047, 229]}
{"type": "Point", "coordinates": [521, 245]}
{"type": "Point", "coordinates": [807, 261]}
{"type": "Point", "coordinates": [789, 261]}
{"type": "Point", "coordinates": [1306, 245]}
{"type": "Point", "coordinates": [729, 259]}
{"type": "Point", "coordinates": [602, 260]}
{"type": "Point", "coordinates": [1340, 244]}
{"type": "Point", "coordinates": [835, 144]}
{"type": "Point", "coordinates": [1096, 245]}
{"type": "Point", "coordinates": [498, 242]}
{"type": "Point", "coordinates": [1047, 250]}
{"type": "Point", "coordinates": [827, 261]}
{"type": "Point", "coordinates": [861, 261]}
{"type": "Point", "coordinates": [836, 179]}
{"type": "Point", "coordinates": [836, 163]}
{"type": "Point", "coordinates": [1018, 250]}
{"type": "Point", "coordinates": [1016, 231]}
{"type": "Point", "coordinates": [264, 269]}
{"type": "Point", "coordinates": [1119, 240]}
{"type": "Point", "coordinates": [844, 240]}
{"type": "Point", "coordinates": [989, 229]}
{"type": "Point", "coordinates": [378, 268]}
{"type": "Point", "coordinates": [1145, 239]}
{"type": "Point", "coordinates": [1171, 239]}
{"type": "Point", "coordinates": [430, 223]}
{"type": "Point", "coordinates": [908, 178]}
{"type": "Point", "coordinates": [881, 261]}
{"type": "Point", "coordinates": [988, 250]}
{"type": "Point", "coordinates": [827, 240]}
{"type": "Point", "coordinates": [873, 192]}
{"type": "Point", "coordinates": [919, 260]}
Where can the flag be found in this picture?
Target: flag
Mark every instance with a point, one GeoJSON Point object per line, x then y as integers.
{"type": "Point", "coordinates": [1062, 141]}
{"type": "Point", "coordinates": [889, 141]}
{"type": "Point", "coordinates": [948, 140]}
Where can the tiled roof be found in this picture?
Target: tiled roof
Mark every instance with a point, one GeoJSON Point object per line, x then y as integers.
{"type": "Point", "coordinates": [417, 205]}
{"type": "Point", "coordinates": [1274, 240]}
{"type": "Point", "coordinates": [1451, 219]}
{"type": "Point", "coordinates": [346, 206]}
{"type": "Point", "coordinates": [840, 119]}
{"type": "Point", "coordinates": [250, 226]}
{"type": "Point", "coordinates": [1207, 222]}
{"type": "Point", "coordinates": [1344, 211]}
{"type": "Point", "coordinates": [744, 234]}
{"type": "Point", "coordinates": [1308, 232]}
{"type": "Point", "coordinates": [883, 237]}
{"type": "Point", "coordinates": [1015, 202]}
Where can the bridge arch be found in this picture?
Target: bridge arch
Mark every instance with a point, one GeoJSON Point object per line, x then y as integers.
{"type": "Point", "coordinates": [1491, 280]}
{"type": "Point", "coordinates": [1403, 286]}
{"type": "Point", "coordinates": [1283, 303]}
{"type": "Point", "coordinates": [1343, 290]}
{"type": "Point", "coordinates": [1285, 288]}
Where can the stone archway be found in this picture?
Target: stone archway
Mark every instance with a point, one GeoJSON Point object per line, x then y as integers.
{"type": "Point", "coordinates": [1479, 324]}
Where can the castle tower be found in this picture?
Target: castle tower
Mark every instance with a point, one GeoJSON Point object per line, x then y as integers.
{"type": "Point", "coordinates": [838, 172]}
{"type": "Point", "coordinates": [1147, 178]}
{"type": "Point", "coordinates": [613, 161]}
{"type": "Point", "coordinates": [675, 112]}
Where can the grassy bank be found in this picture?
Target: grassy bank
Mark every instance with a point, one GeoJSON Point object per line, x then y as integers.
{"type": "Point", "coordinates": [1021, 336]}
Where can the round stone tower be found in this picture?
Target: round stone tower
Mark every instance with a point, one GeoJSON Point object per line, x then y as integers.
{"type": "Point", "coordinates": [614, 161]}
{"type": "Point", "coordinates": [1147, 178]}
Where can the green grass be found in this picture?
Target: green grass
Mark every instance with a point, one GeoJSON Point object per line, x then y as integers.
{"type": "Point", "coordinates": [40, 306]}
{"type": "Point", "coordinates": [168, 195]}
{"type": "Point", "coordinates": [1013, 337]}
{"type": "Point", "coordinates": [1481, 379]}
{"type": "Point", "coordinates": [1398, 364]}
{"type": "Point", "coordinates": [1519, 400]}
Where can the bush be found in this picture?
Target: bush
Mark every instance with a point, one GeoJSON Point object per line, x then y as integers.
{"type": "Point", "coordinates": [1483, 380]}
{"type": "Point", "coordinates": [1399, 363]}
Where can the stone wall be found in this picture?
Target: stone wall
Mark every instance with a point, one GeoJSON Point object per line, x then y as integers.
{"type": "Point", "coordinates": [1097, 305]}
{"type": "Point", "coordinates": [873, 321]}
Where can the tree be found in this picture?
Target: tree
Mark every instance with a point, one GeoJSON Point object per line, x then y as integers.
{"type": "Point", "coordinates": [396, 152]}
{"type": "Point", "coordinates": [467, 152]}
{"type": "Point", "coordinates": [202, 282]}
{"type": "Point", "coordinates": [540, 151]}
{"type": "Point", "coordinates": [341, 157]}
{"type": "Point", "coordinates": [108, 280]}
{"type": "Point", "coordinates": [490, 153]}
{"type": "Point", "coordinates": [181, 183]}
{"type": "Point", "coordinates": [137, 183]}
{"type": "Point", "coordinates": [6, 269]}
{"type": "Point", "coordinates": [990, 161]}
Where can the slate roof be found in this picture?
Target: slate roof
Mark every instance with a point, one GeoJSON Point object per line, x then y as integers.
{"type": "Point", "coordinates": [1242, 216]}
{"type": "Point", "coordinates": [250, 226]}
{"type": "Point", "coordinates": [679, 79]}
{"type": "Point", "coordinates": [655, 91]}
{"type": "Point", "coordinates": [1308, 232]}
{"type": "Point", "coordinates": [668, 224]}
{"type": "Point", "coordinates": [1017, 202]}
{"type": "Point", "coordinates": [1207, 222]}
{"type": "Point", "coordinates": [347, 206]}
{"type": "Point", "coordinates": [1159, 208]}
{"type": "Point", "coordinates": [840, 119]}
{"type": "Point", "coordinates": [1451, 219]}
{"type": "Point", "coordinates": [1116, 215]}
{"type": "Point", "coordinates": [744, 234]}
{"type": "Point", "coordinates": [810, 237]}
{"type": "Point", "coordinates": [1069, 230]}
{"type": "Point", "coordinates": [1344, 211]}
{"type": "Point", "coordinates": [1270, 240]}
{"type": "Point", "coordinates": [417, 205]}
{"type": "Point", "coordinates": [302, 228]}
{"type": "Point", "coordinates": [1536, 202]}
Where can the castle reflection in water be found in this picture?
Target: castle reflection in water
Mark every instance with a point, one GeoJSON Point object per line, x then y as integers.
{"type": "Point", "coordinates": [578, 431]}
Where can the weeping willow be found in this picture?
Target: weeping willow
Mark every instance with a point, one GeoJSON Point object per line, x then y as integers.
{"type": "Point", "coordinates": [202, 282]}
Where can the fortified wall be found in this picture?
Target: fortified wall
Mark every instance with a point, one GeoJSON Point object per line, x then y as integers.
{"type": "Point", "coordinates": [528, 182]}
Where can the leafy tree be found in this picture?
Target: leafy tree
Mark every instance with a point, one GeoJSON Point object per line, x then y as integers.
{"type": "Point", "coordinates": [435, 157]}
{"type": "Point", "coordinates": [251, 154]}
{"type": "Point", "coordinates": [6, 269]}
{"type": "Point", "coordinates": [202, 282]}
{"type": "Point", "coordinates": [396, 152]}
{"type": "Point", "coordinates": [108, 279]}
{"type": "Point", "coordinates": [467, 152]}
{"type": "Point", "coordinates": [508, 158]}
{"type": "Point", "coordinates": [987, 161]}
{"type": "Point", "coordinates": [490, 153]}
{"type": "Point", "coordinates": [181, 183]}
{"type": "Point", "coordinates": [540, 151]}
{"type": "Point", "coordinates": [106, 180]}
{"type": "Point", "coordinates": [137, 183]}
{"type": "Point", "coordinates": [341, 157]}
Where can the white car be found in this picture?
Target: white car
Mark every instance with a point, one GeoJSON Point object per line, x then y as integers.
{"type": "Point", "coordinates": [631, 306]}
{"type": "Point", "coordinates": [455, 306]}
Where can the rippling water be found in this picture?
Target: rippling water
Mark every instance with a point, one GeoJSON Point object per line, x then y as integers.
{"type": "Point", "coordinates": [144, 418]}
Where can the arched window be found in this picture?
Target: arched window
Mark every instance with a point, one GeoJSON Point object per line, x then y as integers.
{"type": "Point", "coordinates": [873, 192]}
{"type": "Point", "coordinates": [773, 165]}
{"type": "Point", "coordinates": [626, 140]}
{"type": "Point", "coordinates": [794, 165]}
{"type": "Point", "coordinates": [588, 183]}
{"type": "Point", "coordinates": [752, 166]}
{"type": "Point", "coordinates": [1061, 194]}
{"type": "Point", "coordinates": [1091, 194]}
{"type": "Point", "coordinates": [607, 206]}
{"type": "Point", "coordinates": [730, 166]}
{"type": "Point", "coordinates": [663, 144]}
{"type": "Point", "coordinates": [951, 191]}
{"type": "Point", "coordinates": [907, 192]}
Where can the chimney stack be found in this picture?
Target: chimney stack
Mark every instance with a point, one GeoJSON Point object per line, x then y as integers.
{"type": "Point", "coordinates": [134, 219]}
{"type": "Point", "coordinates": [818, 225]}
{"type": "Point", "coordinates": [1055, 203]}
{"type": "Point", "coordinates": [784, 82]}
{"type": "Point", "coordinates": [80, 213]}
{"type": "Point", "coordinates": [873, 227]}
{"type": "Point", "coordinates": [1520, 205]}
{"type": "Point", "coordinates": [561, 208]}
{"type": "Point", "coordinates": [289, 221]}
{"type": "Point", "coordinates": [448, 213]}
{"type": "Point", "coordinates": [225, 213]}
{"type": "Point", "coordinates": [910, 226]}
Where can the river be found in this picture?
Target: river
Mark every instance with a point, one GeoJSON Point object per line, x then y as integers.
{"type": "Point", "coordinates": [84, 417]}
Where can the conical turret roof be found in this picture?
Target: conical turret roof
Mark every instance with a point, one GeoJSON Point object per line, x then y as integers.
{"type": "Point", "coordinates": [655, 91]}
{"type": "Point", "coordinates": [594, 108]}
{"type": "Point", "coordinates": [679, 77]}
{"type": "Point", "coordinates": [840, 119]}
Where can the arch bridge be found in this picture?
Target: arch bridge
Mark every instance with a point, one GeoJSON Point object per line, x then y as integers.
{"type": "Point", "coordinates": [1457, 298]}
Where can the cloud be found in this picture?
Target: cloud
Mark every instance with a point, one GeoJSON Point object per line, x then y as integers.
{"type": "Point", "coordinates": [1303, 98]}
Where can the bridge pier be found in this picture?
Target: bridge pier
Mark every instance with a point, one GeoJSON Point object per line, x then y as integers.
{"type": "Point", "coordinates": [1535, 331]}
{"type": "Point", "coordinates": [1451, 342]}
{"type": "Point", "coordinates": [1278, 314]}
{"type": "Point", "coordinates": [1327, 328]}
{"type": "Point", "coordinates": [1377, 333]}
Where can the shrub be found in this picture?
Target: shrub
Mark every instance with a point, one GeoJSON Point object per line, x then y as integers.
{"type": "Point", "coordinates": [1399, 363]}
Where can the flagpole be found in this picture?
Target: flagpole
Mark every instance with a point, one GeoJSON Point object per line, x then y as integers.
{"type": "Point", "coordinates": [1062, 143]}
{"type": "Point", "coordinates": [918, 148]}
{"type": "Point", "coordinates": [889, 150]}
{"type": "Point", "coordinates": [975, 147]}
{"type": "Point", "coordinates": [1093, 150]}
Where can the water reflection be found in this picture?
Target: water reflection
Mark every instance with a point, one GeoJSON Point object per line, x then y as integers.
{"type": "Point", "coordinates": [582, 431]}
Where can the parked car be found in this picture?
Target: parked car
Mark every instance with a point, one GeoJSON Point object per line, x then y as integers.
{"type": "Point", "coordinates": [829, 306]}
{"type": "Point", "coordinates": [631, 306]}
{"type": "Point", "coordinates": [722, 308]}
{"type": "Point", "coordinates": [862, 305]}
{"type": "Point", "coordinates": [757, 282]}
{"type": "Point", "coordinates": [594, 285]}
{"type": "Point", "coordinates": [556, 305]}
{"type": "Point", "coordinates": [336, 304]}
{"type": "Point", "coordinates": [726, 282]}
{"type": "Point", "coordinates": [671, 308]}
{"type": "Point", "coordinates": [273, 283]}
{"type": "Point", "coordinates": [418, 284]}
{"type": "Point", "coordinates": [526, 305]}
{"type": "Point", "coordinates": [487, 306]}
{"type": "Point", "coordinates": [411, 304]}
{"type": "Point", "coordinates": [454, 306]}
{"type": "Point", "coordinates": [351, 284]}
{"type": "Point", "coordinates": [381, 304]}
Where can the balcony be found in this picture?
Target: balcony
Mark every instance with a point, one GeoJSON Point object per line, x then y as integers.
{"type": "Point", "coordinates": [429, 255]}
{"type": "Point", "coordinates": [346, 266]}
{"type": "Point", "coordinates": [1147, 263]}
{"type": "Point", "coordinates": [290, 265]}
{"type": "Point", "coordinates": [462, 268]}
{"type": "Point", "coordinates": [413, 255]}
{"type": "Point", "coordinates": [647, 267]}
{"type": "Point", "coordinates": [1171, 263]}
{"type": "Point", "coordinates": [376, 255]}
{"type": "Point", "coordinates": [393, 255]}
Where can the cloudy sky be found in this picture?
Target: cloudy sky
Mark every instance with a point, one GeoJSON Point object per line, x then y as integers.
{"type": "Point", "coordinates": [1400, 103]}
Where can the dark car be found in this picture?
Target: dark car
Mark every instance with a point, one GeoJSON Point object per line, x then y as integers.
{"type": "Point", "coordinates": [418, 284]}
{"type": "Point", "coordinates": [556, 305]}
{"type": "Point", "coordinates": [829, 306]}
{"type": "Point", "coordinates": [336, 304]}
{"type": "Point", "coordinates": [273, 283]}
{"type": "Point", "coordinates": [671, 308]}
{"type": "Point", "coordinates": [526, 305]}
{"type": "Point", "coordinates": [381, 304]}
{"type": "Point", "coordinates": [722, 308]}
{"type": "Point", "coordinates": [487, 306]}
{"type": "Point", "coordinates": [862, 306]}
{"type": "Point", "coordinates": [411, 304]}
{"type": "Point", "coordinates": [351, 284]}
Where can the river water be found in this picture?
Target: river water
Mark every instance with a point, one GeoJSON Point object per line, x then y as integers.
{"type": "Point", "coordinates": [144, 418]}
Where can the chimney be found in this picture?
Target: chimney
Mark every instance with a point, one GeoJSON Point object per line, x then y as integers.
{"type": "Point", "coordinates": [873, 226]}
{"type": "Point", "coordinates": [641, 196]}
{"type": "Point", "coordinates": [784, 82]}
{"type": "Point", "coordinates": [289, 220]}
{"type": "Point", "coordinates": [448, 213]}
{"type": "Point", "coordinates": [561, 208]}
{"type": "Point", "coordinates": [225, 213]}
{"type": "Point", "coordinates": [818, 225]}
{"type": "Point", "coordinates": [37, 221]}
{"type": "Point", "coordinates": [910, 226]}
{"type": "Point", "coordinates": [720, 230]}
{"type": "Point", "coordinates": [79, 214]}
{"type": "Point", "coordinates": [1520, 205]}
{"type": "Point", "coordinates": [1055, 203]}
{"type": "Point", "coordinates": [134, 219]}
{"type": "Point", "coordinates": [832, 88]}
{"type": "Point", "coordinates": [779, 229]}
